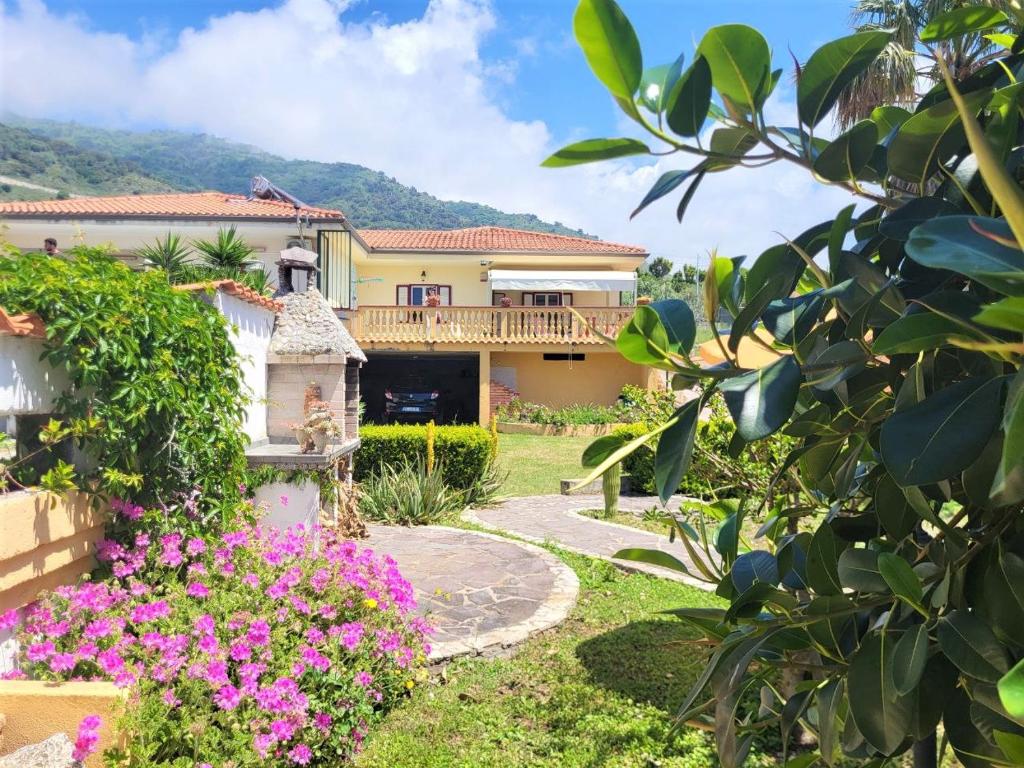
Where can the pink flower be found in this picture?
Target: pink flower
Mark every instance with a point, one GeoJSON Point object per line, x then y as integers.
{"type": "Point", "coordinates": [40, 651]}
{"type": "Point", "coordinates": [9, 619]}
{"type": "Point", "coordinates": [284, 500]}
{"type": "Point", "coordinates": [228, 697]}
{"type": "Point", "coordinates": [301, 754]}
{"type": "Point", "coordinates": [88, 738]}
{"type": "Point", "coordinates": [197, 589]}
{"type": "Point", "coordinates": [363, 679]}
{"type": "Point", "coordinates": [62, 662]}
{"type": "Point", "coordinates": [170, 699]}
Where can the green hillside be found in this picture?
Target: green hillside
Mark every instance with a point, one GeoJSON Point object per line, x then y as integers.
{"type": "Point", "coordinates": [197, 161]}
{"type": "Point", "coordinates": [64, 167]}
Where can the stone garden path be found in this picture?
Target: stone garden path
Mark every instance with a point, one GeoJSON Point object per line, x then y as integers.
{"type": "Point", "coordinates": [482, 592]}
{"type": "Point", "coordinates": [557, 519]}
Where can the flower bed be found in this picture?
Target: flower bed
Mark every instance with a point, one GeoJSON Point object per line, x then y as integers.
{"type": "Point", "coordinates": [635, 404]}
{"type": "Point", "coordinates": [253, 649]}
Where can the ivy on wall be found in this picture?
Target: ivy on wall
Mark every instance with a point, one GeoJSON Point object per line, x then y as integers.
{"type": "Point", "coordinates": [153, 368]}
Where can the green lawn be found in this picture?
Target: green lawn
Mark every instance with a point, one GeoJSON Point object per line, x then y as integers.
{"type": "Point", "coordinates": [599, 690]}
{"type": "Point", "coordinates": [536, 463]}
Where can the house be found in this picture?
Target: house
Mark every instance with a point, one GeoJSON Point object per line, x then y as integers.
{"type": "Point", "coordinates": [515, 311]}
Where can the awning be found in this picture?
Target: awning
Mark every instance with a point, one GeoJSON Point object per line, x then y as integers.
{"type": "Point", "coordinates": [564, 280]}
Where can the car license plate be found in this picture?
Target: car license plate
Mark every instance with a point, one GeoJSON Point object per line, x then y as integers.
{"type": "Point", "coordinates": [410, 409]}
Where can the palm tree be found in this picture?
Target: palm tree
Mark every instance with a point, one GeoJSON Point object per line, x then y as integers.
{"type": "Point", "coordinates": [228, 255]}
{"type": "Point", "coordinates": [896, 75]}
{"type": "Point", "coordinates": [170, 254]}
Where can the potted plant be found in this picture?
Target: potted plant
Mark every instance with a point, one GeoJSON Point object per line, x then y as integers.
{"type": "Point", "coordinates": [299, 430]}
{"type": "Point", "coordinates": [320, 426]}
{"type": "Point", "coordinates": [506, 302]}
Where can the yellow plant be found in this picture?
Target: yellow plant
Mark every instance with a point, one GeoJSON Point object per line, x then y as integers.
{"type": "Point", "coordinates": [494, 438]}
{"type": "Point", "coordinates": [431, 429]}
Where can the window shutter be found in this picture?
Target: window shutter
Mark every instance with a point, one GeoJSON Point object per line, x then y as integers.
{"type": "Point", "coordinates": [567, 299]}
{"type": "Point", "coordinates": [402, 295]}
{"type": "Point", "coordinates": [445, 294]}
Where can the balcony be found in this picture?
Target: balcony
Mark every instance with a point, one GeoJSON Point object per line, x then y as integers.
{"type": "Point", "coordinates": [486, 325]}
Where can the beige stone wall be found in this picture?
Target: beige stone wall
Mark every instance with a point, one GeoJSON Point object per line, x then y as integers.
{"type": "Point", "coordinates": [45, 541]}
{"type": "Point", "coordinates": [287, 377]}
{"type": "Point", "coordinates": [35, 710]}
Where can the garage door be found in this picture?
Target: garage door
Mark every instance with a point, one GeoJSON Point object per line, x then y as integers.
{"type": "Point", "coordinates": [455, 378]}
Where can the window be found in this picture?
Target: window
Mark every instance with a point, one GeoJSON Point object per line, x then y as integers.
{"type": "Point", "coordinates": [547, 299]}
{"type": "Point", "coordinates": [414, 295]}
{"type": "Point", "coordinates": [335, 279]}
{"type": "Point", "coordinates": [496, 297]}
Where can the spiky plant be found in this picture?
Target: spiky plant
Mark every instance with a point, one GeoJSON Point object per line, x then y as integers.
{"type": "Point", "coordinates": [229, 254]}
{"type": "Point", "coordinates": [170, 254]}
{"type": "Point", "coordinates": [904, 69]}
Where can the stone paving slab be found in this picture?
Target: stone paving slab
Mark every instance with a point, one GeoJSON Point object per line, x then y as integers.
{"type": "Point", "coordinates": [557, 519]}
{"type": "Point", "coordinates": [483, 593]}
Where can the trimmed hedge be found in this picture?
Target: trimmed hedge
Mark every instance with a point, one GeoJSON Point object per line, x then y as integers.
{"type": "Point", "coordinates": [464, 452]}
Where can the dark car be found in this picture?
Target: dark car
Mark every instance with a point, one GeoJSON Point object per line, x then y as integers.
{"type": "Point", "coordinates": [412, 401]}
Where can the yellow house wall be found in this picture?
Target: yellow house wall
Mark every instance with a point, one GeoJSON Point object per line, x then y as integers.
{"type": "Point", "coordinates": [467, 290]}
{"type": "Point", "coordinates": [597, 379]}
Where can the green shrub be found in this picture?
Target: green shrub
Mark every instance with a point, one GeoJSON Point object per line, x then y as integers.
{"type": "Point", "coordinates": [406, 494]}
{"type": "Point", "coordinates": [464, 451]}
{"type": "Point", "coordinates": [713, 472]}
{"type": "Point", "coordinates": [165, 404]}
{"type": "Point", "coordinates": [634, 404]}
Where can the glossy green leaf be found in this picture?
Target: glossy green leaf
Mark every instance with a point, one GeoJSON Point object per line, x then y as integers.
{"type": "Point", "coordinates": [652, 557]}
{"type": "Point", "coordinates": [790, 320]}
{"type": "Point", "coordinates": [745, 320]}
{"type": "Point", "coordinates": [730, 142]}
{"type": "Point", "coordinates": [888, 119]}
{"type": "Point", "coordinates": [915, 332]}
{"type": "Point", "coordinates": [970, 645]}
{"type": "Point", "coordinates": [831, 68]}
{"type": "Point", "coordinates": [667, 182]}
{"type": "Point", "coordinates": [965, 244]}
{"type": "Point", "coordinates": [1012, 462]}
{"type": "Point", "coordinates": [644, 339]}
{"type": "Point", "coordinates": [939, 437]}
{"type": "Point", "coordinates": [689, 100]}
{"type": "Point", "coordinates": [823, 555]}
{"type": "Point", "coordinates": [610, 46]}
{"type": "Point", "coordinates": [691, 190]}
{"type": "Point", "coordinates": [893, 510]}
{"type": "Point", "coordinates": [900, 577]}
{"type": "Point", "coordinates": [594, 150]}
{"type": "Point", "coordinates": [679, 324]}
{"type": "Point", "coordinates": [1011, 691]}
{"type": "Point", "coordinates": [740, 63]}
{"type": "Point", "coordinates": [880, 713]}
{"type": "Point", "coordinates": [603, 459]}
{"type": "Point", "coordinates": [909, 659]}
{"type": "Point", "coordinates": [761, 401]}
{"type": "Point", "coordinates": [900, 223]}
{"type": "Point", "coordinates": [961, 21]}
{"type": "Point", "coordinates": [752, 568]}
{"type": "Point", "coordinates": [845, 157]}
{"type": "Point", "coordinates": [601, 449]}
{"type": "Point", "coordinates": [675, 450]}
{"type": "Point", "coordinates": [858, 570]}
{"type": "Point", "coordinates": [657, 83]}
{"type": "Point", "coordinates": [1007, 314]}
{"type": "Point", "coordinates": [930, 137]}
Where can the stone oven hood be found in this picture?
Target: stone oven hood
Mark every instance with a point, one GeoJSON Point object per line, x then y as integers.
{"type": "Point", "coordinates": [308, 326]}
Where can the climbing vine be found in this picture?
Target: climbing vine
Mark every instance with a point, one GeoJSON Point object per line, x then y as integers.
{"type": "Point", "coordinates": [150, 366]}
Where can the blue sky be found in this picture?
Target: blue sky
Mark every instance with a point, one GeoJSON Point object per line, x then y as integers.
{"type": "Point", "coordinates": [460, 98]}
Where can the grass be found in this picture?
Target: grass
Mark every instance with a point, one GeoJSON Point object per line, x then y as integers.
{"type": "Point", "coordinates": [628, 519]}
{"type": "Point", "coordinates": [599, 690]}
{"type": "Point", "coordinates": [536, 463]}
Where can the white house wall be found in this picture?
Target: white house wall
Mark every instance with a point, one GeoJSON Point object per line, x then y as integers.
{"type": "Point", "coordinates": [251, 328]}
{"type": "Point", "coordinates": [27, 384]}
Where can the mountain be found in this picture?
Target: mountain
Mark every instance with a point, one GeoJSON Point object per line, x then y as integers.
{"type": "Point", "coordinates": [88, 160]}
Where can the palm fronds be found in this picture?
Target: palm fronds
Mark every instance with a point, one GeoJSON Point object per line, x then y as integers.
{"type": "Point", "coordinates": [169, 254]}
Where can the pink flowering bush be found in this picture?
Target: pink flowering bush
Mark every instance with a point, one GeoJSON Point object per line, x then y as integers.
{"type": "Point", "coordinates": [253, 649]}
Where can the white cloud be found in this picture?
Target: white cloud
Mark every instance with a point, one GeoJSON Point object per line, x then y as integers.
{"type": "Point", "coordinates": [413, 99]}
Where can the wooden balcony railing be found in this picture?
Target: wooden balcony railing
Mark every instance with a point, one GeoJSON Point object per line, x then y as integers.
{"type": "Point", "coordinates": [486, 325]}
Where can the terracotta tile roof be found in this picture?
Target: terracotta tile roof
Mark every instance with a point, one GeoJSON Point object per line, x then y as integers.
{"type": "Point", "coordinates": [186, 205]}
{"type": "Point", "coordinates": [21, 325]}
{"type": "Point", "coordinates": [494, 239]}
{"type": "Point", "coordinates": [243, 292]}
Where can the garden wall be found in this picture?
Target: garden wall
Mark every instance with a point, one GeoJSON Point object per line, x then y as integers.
{"type": "Point", "coordinates": [27, 384]}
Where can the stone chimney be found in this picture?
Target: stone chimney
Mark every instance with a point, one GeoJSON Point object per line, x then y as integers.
{"type": "Point", "coordinates": [292, 260]}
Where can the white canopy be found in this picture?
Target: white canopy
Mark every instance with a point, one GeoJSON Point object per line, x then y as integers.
{"type": "Point", "coordinates": [563, 280]}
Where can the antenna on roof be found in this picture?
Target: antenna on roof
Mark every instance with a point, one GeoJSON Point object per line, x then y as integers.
{"type": "Point", "coordinates": [263, 188]}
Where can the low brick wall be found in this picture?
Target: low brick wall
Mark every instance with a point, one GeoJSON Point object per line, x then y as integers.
{"type": "Point", "coordinates": [574, 430]}
{"type": "Point", "coordinates": [45, 541]}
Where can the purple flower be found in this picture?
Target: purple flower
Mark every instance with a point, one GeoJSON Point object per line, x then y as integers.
{"type": "Point", "coordinates": [88, 738]}
{"type": "Point", "coordinates": [301, 754]}
{"type": "Point", "coordinates": [227, 697]}
{"type": "Point", "coordinates": [197, 589]}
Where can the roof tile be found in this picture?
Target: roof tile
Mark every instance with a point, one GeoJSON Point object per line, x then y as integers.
{"type": "Point", "coordinates": [236, 289]}
{"type": "Point", "coordinates": [494, 239]}
{"type": "Point", "coordinates": [175, 204]}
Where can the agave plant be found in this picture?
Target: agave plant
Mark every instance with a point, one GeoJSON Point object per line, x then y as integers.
{"type": "Point", "coordinates": [228, 254]}
{"type": "Point", "coordinates": [169, 254]}
{"type": "Point", "coordinates": [258, 279]}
